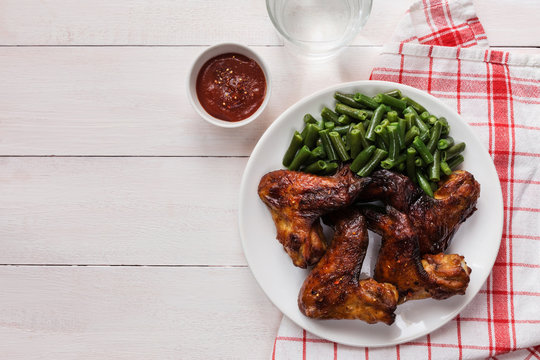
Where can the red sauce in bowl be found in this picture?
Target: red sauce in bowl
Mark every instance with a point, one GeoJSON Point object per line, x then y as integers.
{"type": "Point", "coordinates": [231, 87]}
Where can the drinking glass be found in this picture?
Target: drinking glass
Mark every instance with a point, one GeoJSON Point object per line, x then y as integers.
{"type": "Point", "coordinates": [318, 29]}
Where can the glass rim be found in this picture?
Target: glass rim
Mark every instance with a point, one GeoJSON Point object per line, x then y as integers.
{"type": "Point", "coordinates": [344, 41]}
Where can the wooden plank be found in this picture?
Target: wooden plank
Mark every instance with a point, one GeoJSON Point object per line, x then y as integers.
{"type": "Point", "coordinates": [120, 211]}
{"type": "Point", "coordinates": [134, 313]}
{"type": "Point", "coordinates": [160, 22]}
{"type": "Point", "coordinates": [192, 22]}
{"type": "Point", "coordinates": [132, 100]}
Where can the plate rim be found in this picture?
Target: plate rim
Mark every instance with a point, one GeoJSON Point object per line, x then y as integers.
{"type": "Point", "coordinates": [491, 166]}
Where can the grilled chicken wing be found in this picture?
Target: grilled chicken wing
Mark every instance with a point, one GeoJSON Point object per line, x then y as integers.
{"type": "Point", "coordinates": [333, 291]}
{"type": "Point", "coordinates": [434, 219]}
{"type": "Point", "coordinates": [400, 263]}
{"type": "Point", "coordinates": [297, 200]}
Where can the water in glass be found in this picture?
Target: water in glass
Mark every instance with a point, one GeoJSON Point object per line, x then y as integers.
{"type": "Point", "coordinates": [318, 28]}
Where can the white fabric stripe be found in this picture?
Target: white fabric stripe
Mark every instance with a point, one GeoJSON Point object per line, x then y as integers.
{"type": "Point", "coordinates": [509, 189]}
{"type": "Point", "coordinates": [467, 77]}
{"type": "Point", "coordinates": [490, 148]}
{"type": "Point", "coordinates": [473, 54]}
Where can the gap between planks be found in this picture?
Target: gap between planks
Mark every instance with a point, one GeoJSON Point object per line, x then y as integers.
{"type": "Point", "coordinates": [132, 265]}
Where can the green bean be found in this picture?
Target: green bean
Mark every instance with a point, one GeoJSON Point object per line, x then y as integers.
{"type": "Point", "coordinates": [375, 160]}
{"type": "Point", "coordinates": [381, 144]}
{"type": "Point", "coordinates": [392, 116]}
{"type": "Point", "coordinates": [409, 120]}
{"type": "Point", "coordinates": [366, 124]}
{"type": "Point", "coordinates": [342, 130]}
{"type": "Point", "coordinates": [327, 145]}
{"type": "Point", "coordinates": [295, 144]}
{"type": "Point", "coordinates": [435, 135]}
{"type": "Point", "coordinates": [418, 122]}
{"type": "Point", "coordinates": [347, 99]}
{"type": "Point", "coordinates": [317, 167]}
{"type": "Point", "coordinates": [369, 113]}
{"type": "Point", "coordinates": [309, 119]}
{"type": "Point", "coordinates": [422, 150]}
{"type": "Point", "coordinates": [424, 183]}
{"type": "Point", "coordinates": [358, 114]}
{"type": "Point", "coordinates": [443, 121]}
{"type": "Point", "coordinates": [344, 120]}
{"type": "Point", "coordinates": [317, 153]}
{"type": "Point", "coordinates": [393, 147]}
{"type": "Point", "coordinates": [454, 150]}
{"type": "Point", "coordinates": [377, 117]}
{"type": "Point", "coordinates": [411, 134]}
{"type": "Point", "coordinates": [394, 93]}
{"type": "Point", "coordinates": [458, 159]}
{"type": "Point", "coordinates": [390, 101]}
{"type": "Point", "coordinates": [391, 163]}
{"type": "Point", "coordinates": [401, 134]}
{"type": "Point", "coordinates": [365, 101]}
{"type": "Point", "coordinates": [312, 134]}
{"type": "Point", "coordinates": [434, 169]}
{"type": "Point", "coordinates": [444, 144]}
{"type": "Point", "coordinates": [362, 158]}
{"type": "Point", "coordinates": [329, 125]}
{"type": "Point", "coordinates": [400, 167]}
{"type": "Point", "coordinates": [301, 157]}
{"type": "Point", "coordinates": [411, 167]}
{"type": "Point", "coordinates": [433, 186]}
{"type": "Point", "coordinates": [418, 162]}
{"type": "Point", "coordinates": [382, 132]}
{"type": "Point", "coordinates": [410, 102]}
{"type": "Point", "coordinates": [339, 146]}
{"type": "Point", "coordinates": [424, 115]}
{"type": "Point", "coordinates": [331, 167]}
{"type": "Point", "coordinates": [403, 127]}
{"type": "Point", "coordinates": [363, 140]}
{"type": "Point", "coordinates": [445, 168]}
{"type": "Point", "coordinates": [432, 119]}
{"type": "Point", "coordinates": [446, 126]}
{"type": "Point", "coordinates": [329, 115]}
{"type": "Point", "coordinates": [425, 136]}
{"type": "Point", "coordinates": [347, 147]}
{"type": "Point", "coordinates": [355, 142]}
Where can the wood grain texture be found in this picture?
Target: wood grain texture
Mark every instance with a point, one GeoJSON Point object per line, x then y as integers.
{"type": "Point", "coordinates": [133, 101]}
{"type": "Point", "coordinates": [120, 211]}
{"type": "Point", "coordinates": [193, 22]}
{"type": "Point", "coordinates": [198, 300]}
{"type": "Point", "coordinates": [160, 22]}
{"type": "Point", "coordinates": [133, 313]}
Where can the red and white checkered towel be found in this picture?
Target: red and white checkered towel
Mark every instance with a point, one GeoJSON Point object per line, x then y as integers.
{"type": "Point", "coordinates": [442, 49]}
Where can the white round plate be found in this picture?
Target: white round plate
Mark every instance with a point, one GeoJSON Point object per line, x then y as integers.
{"type": "Point", "coordinates": [477, 239]}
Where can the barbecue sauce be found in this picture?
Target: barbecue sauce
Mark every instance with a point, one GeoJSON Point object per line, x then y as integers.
{"type": "Point", "coordinates": [231, 87]}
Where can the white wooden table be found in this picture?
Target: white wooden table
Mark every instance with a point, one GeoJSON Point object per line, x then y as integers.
{"type": "Point", "coordinates": [118, 204]}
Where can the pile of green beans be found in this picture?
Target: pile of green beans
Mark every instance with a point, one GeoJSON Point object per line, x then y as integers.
{"type": "Point", "coordinates": [388, 131]}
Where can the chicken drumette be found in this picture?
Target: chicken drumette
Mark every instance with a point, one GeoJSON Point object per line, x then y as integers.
{"type": "Point", "coordinates": [333, 290]}
{"type": "Point", "coordinates": [400, 263]}
{"type": "Point", "coordinates": [297, 200]}
{"type": "Point", "coordinates": [434, 219]}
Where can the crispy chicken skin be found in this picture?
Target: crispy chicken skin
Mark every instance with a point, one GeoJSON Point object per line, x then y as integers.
{"type": "Point", "coordinates": [333, 290]}
{"type": "Point", "coordinates": [435, 219]}
{"type": "Point", "coordinates": [297, 200]}
{"type": "Point", "coordinates": [400, 263]}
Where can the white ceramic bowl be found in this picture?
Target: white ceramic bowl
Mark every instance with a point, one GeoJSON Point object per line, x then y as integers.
{"type": "Point", "coordinates": [207, 55]}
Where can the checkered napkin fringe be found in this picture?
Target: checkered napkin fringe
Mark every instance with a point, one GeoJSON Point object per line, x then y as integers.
{"type": "Point", "coordinates": [442, 49]}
